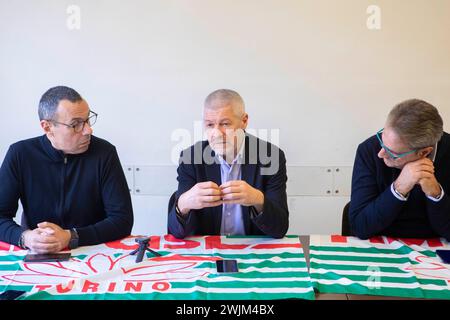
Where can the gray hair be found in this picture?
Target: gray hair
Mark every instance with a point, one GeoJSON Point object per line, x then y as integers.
{"type": "Point", "coordinates": [417, 123]}
{"type": "Point", "coordinates": [226, 97]}
{"type": "Point", "coordinates": [50, 100]}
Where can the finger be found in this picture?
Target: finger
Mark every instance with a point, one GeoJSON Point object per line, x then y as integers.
{"type": "Point", "coordinates": [37, 251]}
{"type": "Point", "coordinates": [47, 239]}
{"type": "Point", "coordinates": [210, 199]}
{"type": "Point", "coordinates": [212, 204]}
{"type": "Point", "coordinates": [425, 168]}
{"type": "Point", "coordinates": [427, 160]}
{"type": "Point", "coordinates": [45, 224]}
{"type": "Point", "coordinates": [46, 231]}
{"type": "Point", "coordinates": [228, 190]}
{"type": "Point", "coordinates": [424, 163]}
{"type": "Point", "coordinates": [233, 183]}
{"type": "Point", "coordinates": [45, 247]}
{"type": "Point", "coordinates": [233, 196]}
{"type": "Point", "coordinates": [210, 192]}
{"type": "Point", "coordinates": [44, 251]}
{"type": "Point", "coordinates": [49, 226]}
{"type": "Point", "coordinates": [425, 175]}
{"type": "Point", "coordinates": [207, 185]}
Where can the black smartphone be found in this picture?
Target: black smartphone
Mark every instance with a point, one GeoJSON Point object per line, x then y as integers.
{"type": "Point", "coordinates": [47, 257]}
{"type": "Point", "coordinates": [11, 294]}
{"type": "Point", "coordinates": [444, 255]}
{"type": "Point", "coordinates": [227, 266]}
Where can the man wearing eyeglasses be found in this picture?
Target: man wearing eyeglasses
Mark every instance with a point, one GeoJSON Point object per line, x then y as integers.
{"type": "Point", "coordinates": [401, 176]}
{"type": "Point", "coordinates": [70, 183]}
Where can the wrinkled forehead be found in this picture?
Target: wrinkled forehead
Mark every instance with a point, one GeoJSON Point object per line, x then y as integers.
{"type": "Point", "coordinates": [393, 141]}
{"type": "Point", "coordinates": [223, 112]}
{"type": "Point", "coordinates": [69, 111]}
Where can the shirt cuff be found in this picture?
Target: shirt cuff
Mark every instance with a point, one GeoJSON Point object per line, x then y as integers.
{"type": "Point", "coordinates": [438, 198]}
{"type": "Point", "coordinates": [397, 194]}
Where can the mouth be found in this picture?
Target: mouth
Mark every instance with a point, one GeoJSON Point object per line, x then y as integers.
{"type": "Point", "coordinates": [220, 143]}
{"type": "Point", "coordinates": [86, 143]}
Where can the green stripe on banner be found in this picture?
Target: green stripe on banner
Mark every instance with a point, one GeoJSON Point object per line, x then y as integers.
{"type": "Point", "coordinates": [365, 259]}
{"type": "Point", "coordinates": [11, 258]}
{"type": "Point", "coordinates": [291, 236]}
{"type": "Point", "coordinates": [10, 267]}
{"type": "Point", "coordinates": [401, 250]}
{"type": "Point", "coordinates": [263, 275]}
{"type": "Point", "coordinates": [316, 265]}
{"type": "Point", "coordinates": [263, 264]}
{"type": "Point", "coordinates": [173, 296]}
{"type": "Point", "coordinates": [227, 284]}
{"type": "Point", "coordinates": [357, 288]}
{"type": "Point", "coordinates": [384, 279]}
{"type": "Point", "coordinates": [21, 288]}
{"type": "Point", "coordinates": [262, 256]}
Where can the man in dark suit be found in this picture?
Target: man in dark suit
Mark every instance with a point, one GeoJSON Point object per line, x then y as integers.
{"type": "Point", "coordinates": [233, 183]}
{"type": "Point", "coordinates": [401, 176]}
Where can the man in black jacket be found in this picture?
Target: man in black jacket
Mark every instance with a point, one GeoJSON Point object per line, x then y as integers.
{"type": "Point", "coordinates": [232, 184]}
{"type": "Point", "coordinates": [401, 177]}
{"type": "Point", "coordinates": [71, 184]}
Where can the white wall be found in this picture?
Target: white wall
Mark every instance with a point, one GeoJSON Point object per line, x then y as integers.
{"type": "Point", "coordinates": [310, 68]}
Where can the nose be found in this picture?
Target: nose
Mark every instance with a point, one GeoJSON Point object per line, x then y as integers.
{"type": "Point", "coordinates": [382, 154]}
{"type": "Point", "coordinates": [216, 133]}
{"type": "Point", "coordinates": [87, 130]}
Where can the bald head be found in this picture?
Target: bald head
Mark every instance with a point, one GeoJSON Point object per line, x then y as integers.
{"type": "Point", "coordinates": [225, 98]}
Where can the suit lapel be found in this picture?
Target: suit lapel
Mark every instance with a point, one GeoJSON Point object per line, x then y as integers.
{"type": "Point", "coordinates": [248, 174]}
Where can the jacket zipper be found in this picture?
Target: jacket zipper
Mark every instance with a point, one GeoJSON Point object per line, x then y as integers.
{"type": "Point", "coordinates": [63, 191]}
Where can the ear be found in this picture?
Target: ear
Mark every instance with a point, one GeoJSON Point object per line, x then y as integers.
{"type": "Point", "coordinates": [244, 121]}
{"type": "Point", "coordinates": [45, 125]}
{"type": "Point", "coordinates": [425, 152]}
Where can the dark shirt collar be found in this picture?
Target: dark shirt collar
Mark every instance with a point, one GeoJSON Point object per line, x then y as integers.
{"type": "Point", "coordinates": [54, 154]}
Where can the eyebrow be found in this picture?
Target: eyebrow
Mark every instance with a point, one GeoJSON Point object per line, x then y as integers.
{"type": "Point", "coordinates": [395, 152]}
{"type": "Point", "coordinates": [77, 119]}
{"type": "Point", "coordinates": [81, 119]}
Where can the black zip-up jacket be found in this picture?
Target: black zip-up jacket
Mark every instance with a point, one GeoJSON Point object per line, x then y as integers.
{"type": "Point", "coordinates": [86, 191]}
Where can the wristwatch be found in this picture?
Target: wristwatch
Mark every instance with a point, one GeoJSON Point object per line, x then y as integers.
{"type": "Point", "coordinates": [178, 212]}
{"type": "Point", "coordinates": [73, 239]}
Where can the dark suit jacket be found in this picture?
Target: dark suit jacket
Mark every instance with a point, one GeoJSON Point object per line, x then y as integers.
{"type": "Point", "coordinates": [273, 221]}
{"type": "Point", "coordinates": [374, 210]}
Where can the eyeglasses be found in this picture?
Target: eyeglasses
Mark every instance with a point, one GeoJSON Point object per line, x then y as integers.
{"type": "Point", "coordinates": [392, 154]}
{"type": "Point", "coordinates": [78, 125]}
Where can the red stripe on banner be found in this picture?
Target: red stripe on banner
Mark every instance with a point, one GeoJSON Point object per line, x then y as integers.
{"type": "Point", "coordinates": [120, 245]}
{"type": "Point", "coordinates": [433, 243]}
{"type": "Point", "coordinates": [155, 242]}
{"type": "Point", "coordinates": [177, 257]}
{"type": "Point", "coordinates": [277, 246]}
{"type": "Point", "coordinates": [6, 247]}
{"type": "Point", "coordinates": [420, 242]}
{"type": "Point", "coordinates": [215, 242]}
{"type": "Point", "coordinates": [340, 239]}
{"type": "Point", "coordinates": [181, 244]}
{"type": "Point", "coordinates": [376, 240]}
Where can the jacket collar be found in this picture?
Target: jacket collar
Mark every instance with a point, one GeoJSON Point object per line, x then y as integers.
{"type": "Point", "coordinates": [54, 154]}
